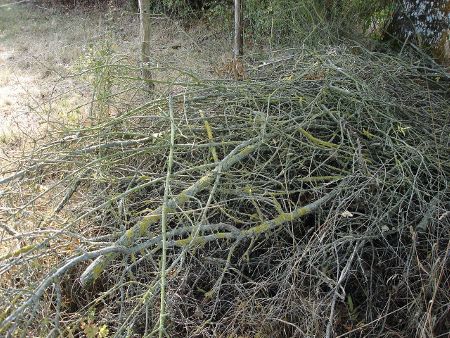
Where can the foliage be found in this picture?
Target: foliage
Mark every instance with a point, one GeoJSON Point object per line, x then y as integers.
{"type": "Point", "coordinates": [88, 3]}
{"type": "Point", "coordinates": [278, 21]}
{"type": "Point", "coordinates": [288, 21]}
{"type": "Point", "coordinates": [300, 20]}
{"type": "Point", "coordinates": [188, 9]}
{"type": "Point", "coordinates": [99, 61]}
{"type": "Point", "coordinates": [309, 200]}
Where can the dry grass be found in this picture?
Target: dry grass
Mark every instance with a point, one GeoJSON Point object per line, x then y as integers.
{"type": "Point", "coordinates": [41, 49]}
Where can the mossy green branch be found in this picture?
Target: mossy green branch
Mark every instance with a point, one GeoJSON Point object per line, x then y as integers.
{"type": "Point", "coordinates": [214, 232]}
{"type": "Point", "coordinates": [165, 210]}
{"type": "Point", "coordinates": [221, 231]}
{"type": "Point", "coordinates": [321, 178]}
{"type": "Point", "coordinates": [18, 252]}
{"type": "Point", "coordinates": [209, 133]}
{"type": "Point", "coordinates": [142, 227]}
{"type": "Point", "coordinates": [316, 140]}
{"type": "Point", "coordinates": [286, 217]}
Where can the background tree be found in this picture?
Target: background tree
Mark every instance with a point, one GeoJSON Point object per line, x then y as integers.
{"type": "Point", "coordinates": [238, 46]}
{"type": "Point", "coordinates": [144, 17]}
{"type": "Point", "coordinates": [238, 30]}
{"type": "Point", "coordinates": [425, 23]}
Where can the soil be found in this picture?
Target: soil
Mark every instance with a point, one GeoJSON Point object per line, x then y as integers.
{"type": "Point", "coordinates": [43, 49]}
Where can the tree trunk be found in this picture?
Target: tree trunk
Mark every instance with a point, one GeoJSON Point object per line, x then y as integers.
{"type": "Point", "coordinates": [426, 23]}
{"type": "Point", "coordinates": [144, 16]}
{"type": "Point", "coordinates": [238, 31]}
{"type": "Point", "coordinates": [238, 66]}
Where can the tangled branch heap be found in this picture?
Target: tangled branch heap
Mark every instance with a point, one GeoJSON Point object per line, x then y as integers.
{"type": "Point", "coordinates": [310, 200]}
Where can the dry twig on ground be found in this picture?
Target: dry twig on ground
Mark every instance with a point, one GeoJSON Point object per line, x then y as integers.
{"type": "Point", "coordinates": [310, 199]}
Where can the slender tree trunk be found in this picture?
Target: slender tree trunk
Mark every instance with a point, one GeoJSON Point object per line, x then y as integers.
{"type": "Point", "coordinates": [238, 31]}
{"type": "Point", "coordinates": [238, 65]}
{"type": "Point", "coordinates": [144, 16]}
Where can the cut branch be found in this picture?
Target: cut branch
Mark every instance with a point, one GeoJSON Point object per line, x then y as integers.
{"type": "Point", "coordinates": [142, 228]}
{"type": "Point", "coordinates": [162, 309]}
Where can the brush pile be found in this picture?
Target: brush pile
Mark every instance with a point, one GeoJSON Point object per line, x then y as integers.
{"type": "Point", "coordinates": [310, 200]}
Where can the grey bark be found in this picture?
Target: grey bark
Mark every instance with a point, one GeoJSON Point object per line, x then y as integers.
{"type": "Point", "coordinates": [425, 23]}
{"type": "Point", "coordinates": [144, 18]}
{"type": "Point", "coordinates": [238, 30]}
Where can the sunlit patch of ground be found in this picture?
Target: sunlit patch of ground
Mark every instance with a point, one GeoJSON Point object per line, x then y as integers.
{"type": "Point", "coordinates": [40, 49]}
{"type": "Point", "coordinates": [15, 88]}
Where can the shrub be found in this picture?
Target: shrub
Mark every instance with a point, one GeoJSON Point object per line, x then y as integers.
{"type": "Point", "coordinates": [293, 20]}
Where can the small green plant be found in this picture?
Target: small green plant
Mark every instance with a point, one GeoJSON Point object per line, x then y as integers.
{"type": "Point", "coordinates": [97, 66]}
{"type": "Point", "coordinates": [352, 310]}
{"type": "Point", "coordinates": [180, 8]}
{"type": "Point", "coordinates": [221, 14]}
{"type": "Point", "coordinates": [92, 329]}
{"type": "Point", "coordinates": [293, 21]}
{"type": "Point", "coordinates": [378, 22]}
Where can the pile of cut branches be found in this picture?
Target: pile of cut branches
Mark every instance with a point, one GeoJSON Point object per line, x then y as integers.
{"type": "Point", "coordinates": [309, 200]}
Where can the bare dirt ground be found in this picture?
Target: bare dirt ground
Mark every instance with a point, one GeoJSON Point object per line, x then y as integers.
{"type": "Point", "coordinates": [42, 50]}
{"type": "Point", "coordinates": [37, 48]}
